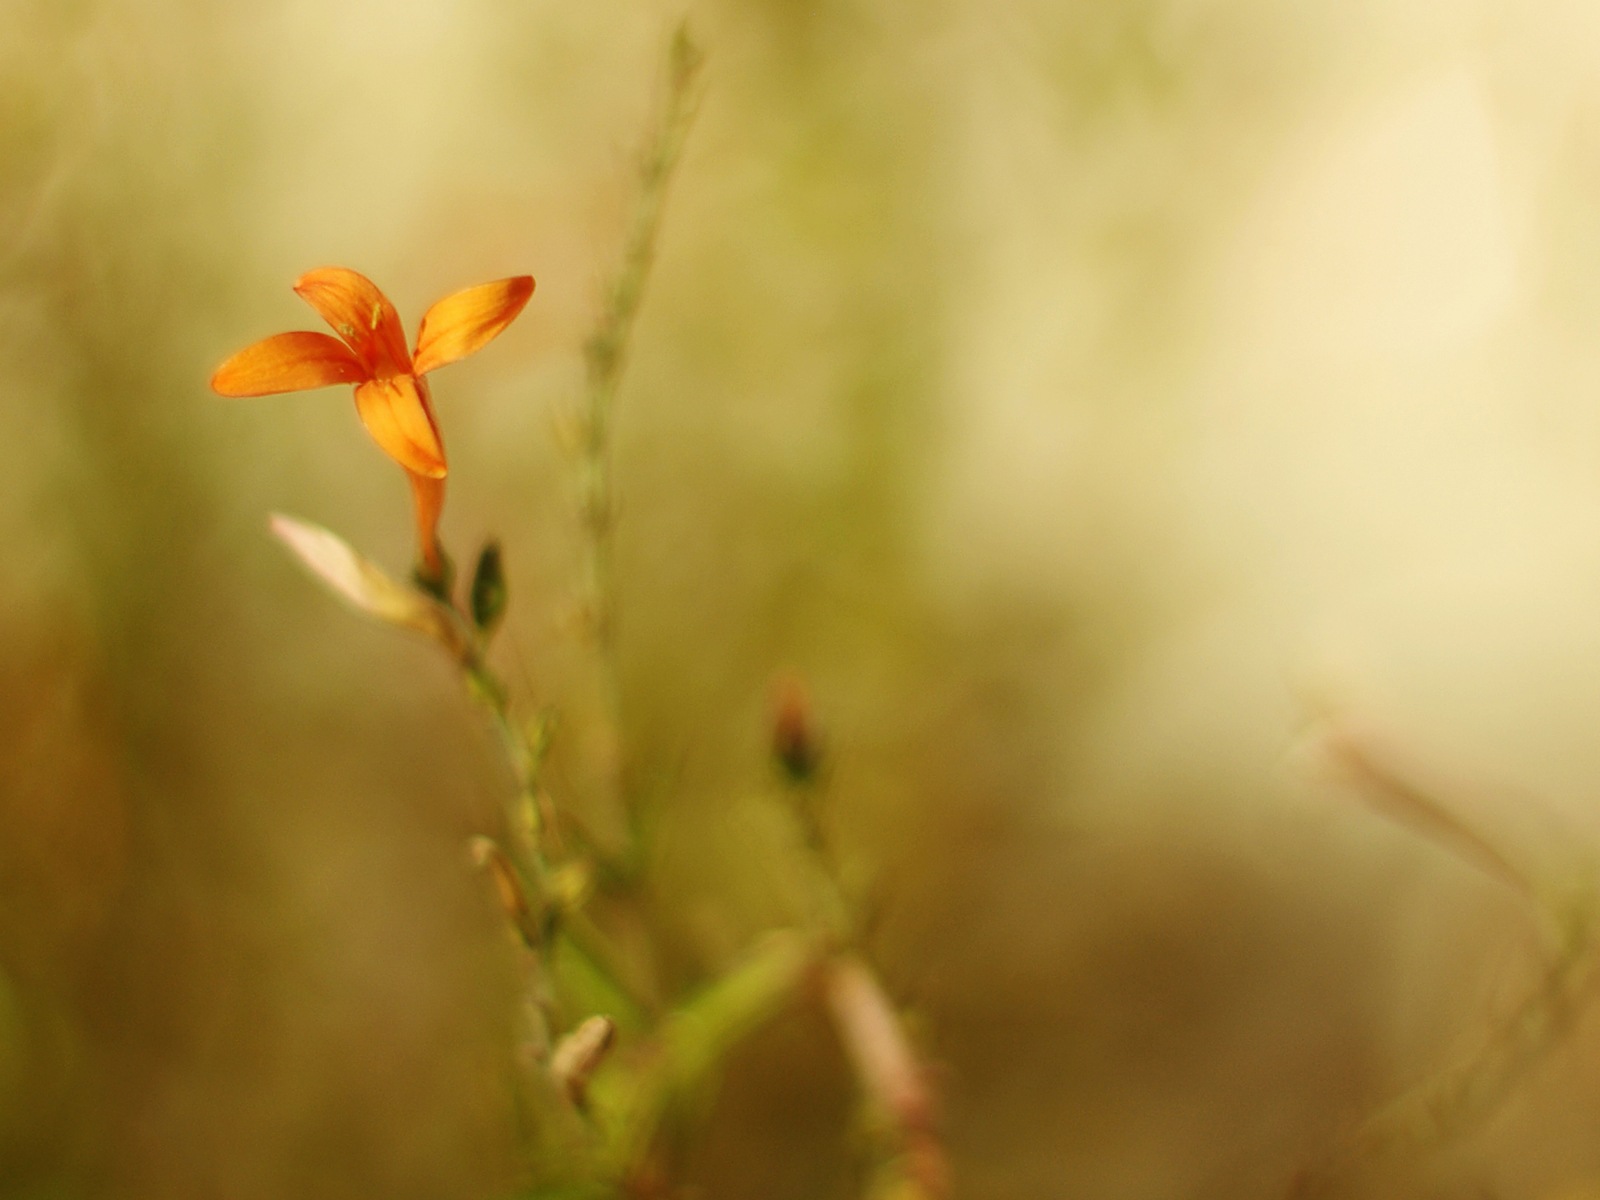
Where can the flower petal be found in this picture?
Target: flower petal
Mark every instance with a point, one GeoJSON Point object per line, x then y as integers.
{"type": "Point", "coordinates": [361, 315]}
{"type": "Point", "coordinates": [362, 584]}
{"type": "Point", "coordinates": [287, 362]}
{"type": "Point", "coordinates": [396, 414]}
{"type": "Point", "coordinates": [468, 320]}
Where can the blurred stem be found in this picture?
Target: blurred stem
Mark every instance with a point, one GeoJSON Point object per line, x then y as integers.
{"type": "Point", "coordinates": [1392, 789]}
{"type": "Point", "coordinates": [605, 356]}
{"type": "Point", "coordinates": [888, 1072]}
{"type": "Point", "coordinates": [1463, 1097]}
{"type": "Point", "coordinates": [830, 909]}
{"type": "Point", "coordinates": [697, 1039]}
{"type": "Point", "coordinates": [891, 1077]}
{"type": "Point", "coordinates": [525, 816]}
{"type": "Point", "coordinates": [555, 916]}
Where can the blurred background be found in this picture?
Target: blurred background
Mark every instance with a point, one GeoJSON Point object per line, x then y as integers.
{"type": "Point", "coordinates": [1074, 392]}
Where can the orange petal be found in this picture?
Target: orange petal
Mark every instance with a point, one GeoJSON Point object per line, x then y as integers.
{"type": "Point", "coordinates": [465, 322]}
{"type": "Point", "coordinates": [361, 315]}
{"type": "Point", "coordinates": [428, 497]}
{"type": "Point", "coordinates": [288, 362]}
{"type": "Point", "coordinates": [396, 414]}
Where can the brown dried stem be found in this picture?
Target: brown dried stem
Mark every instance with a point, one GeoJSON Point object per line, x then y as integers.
{"type": "Point", "coordinates": [889, 1073]}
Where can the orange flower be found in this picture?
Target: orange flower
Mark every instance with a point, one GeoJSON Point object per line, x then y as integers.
{"type": "Point", "coordinates": [391, 394]}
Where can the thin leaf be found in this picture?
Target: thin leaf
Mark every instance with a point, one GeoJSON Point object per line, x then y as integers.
{"type": "Point", "coordinates": [362, 585]}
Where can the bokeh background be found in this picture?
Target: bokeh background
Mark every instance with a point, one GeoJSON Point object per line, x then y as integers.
{"type": "Point", "coordinates": [1075, 392]}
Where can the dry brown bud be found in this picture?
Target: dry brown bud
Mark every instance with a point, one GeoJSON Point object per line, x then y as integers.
{"type": "Point", "coordinates": [579, 1053]}
{"type": "Point", "coordinates": [496, 864]}
{"type": "Point", "coordinates": [795, 744]}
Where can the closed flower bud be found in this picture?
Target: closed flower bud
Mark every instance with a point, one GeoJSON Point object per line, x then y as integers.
{"type": "Point", "coordinates": [795, 744]}
{"type": "Point", "coordinates": [489, 589]}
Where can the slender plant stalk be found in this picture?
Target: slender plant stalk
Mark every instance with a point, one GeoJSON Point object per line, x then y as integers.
{"type": "Point", "coordinates": [1466, 1095]}
{"type": "Point", "coordinates": [583, 1122]}
{"type": "Point", "coordinates": [605, 356]}
{"type": "Point", "coordinates": [891, 1077]}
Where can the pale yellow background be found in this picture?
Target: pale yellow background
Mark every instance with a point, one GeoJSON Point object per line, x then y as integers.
{"type": "Point", "coordinates": [1074, 392]}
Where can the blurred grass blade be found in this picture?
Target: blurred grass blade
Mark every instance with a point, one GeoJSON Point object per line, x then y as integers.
{"type": "Point", "coordinates": [1392, 789]}
{"type": "Point", "coordinates": [363, 585]}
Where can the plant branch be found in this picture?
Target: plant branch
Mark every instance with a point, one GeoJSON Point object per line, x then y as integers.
{"type": "Point", "coordinates": [605, 356]}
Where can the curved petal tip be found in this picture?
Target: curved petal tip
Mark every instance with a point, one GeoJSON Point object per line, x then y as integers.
{"type": "Point", "coordinates": [466, 321]}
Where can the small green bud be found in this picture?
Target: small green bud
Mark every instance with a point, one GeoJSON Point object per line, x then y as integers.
{"type": "Point", "coordinates": [489, 589]}
{"type": "Point", "coordinates": [571, 885]}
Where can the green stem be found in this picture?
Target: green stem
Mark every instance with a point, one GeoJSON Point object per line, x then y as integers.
{"type": "Point", "coordinates": [605, 356]}
{"type": "Point", "coordinates": [554, 916]}
{"type": "Point", "coordinates": [698, 1038]}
